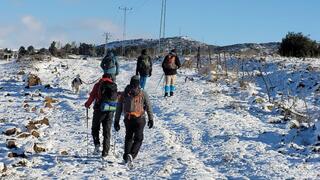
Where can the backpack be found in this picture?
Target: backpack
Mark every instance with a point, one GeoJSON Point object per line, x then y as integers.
{"type": "Point", "coordinates": [171, 63]}
{"type": "Point", "coordinates": [109, 62]}
{"type": "Point", "coordinates": [145, 63]}
{"type": "Point", "coordinates": [133, 105]}
{"type": "Point", "coordinates": [109, 96]}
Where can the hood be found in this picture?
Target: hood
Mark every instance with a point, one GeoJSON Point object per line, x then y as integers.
{"type": "Point", "coordinates": [132, 91]}
{"type": "Point", "coordinates": [105, 79]}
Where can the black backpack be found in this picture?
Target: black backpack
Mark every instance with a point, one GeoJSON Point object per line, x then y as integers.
{"type": "Point", "coordinates": [109, 96]}
{"type": "Point", "coordinates": [145, 63]}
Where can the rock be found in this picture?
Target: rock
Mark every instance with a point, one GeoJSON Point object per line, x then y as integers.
{"type": "Point", "coordinates": [31, 126]}
{"type": "Point", "coordinates": [47, 86]}
{"type": "Point", "coordinates": [316, 149]}
{"type": "Point", "coordinates": [11, 144]}
{"type": "Point", "coordinates": [38, 148]}
{"type": "Point", "coordinates": [310, 68]}
{"type": "Point", "coordinates": [13, 154]}
{"type": "Point", "coordinates": [48, 105]}
{"type": "Point", "coordinates": [3, 167]}
{"type": "Point", "coordinates": [35, 134]}
{"type": "Point", "coordinates": [26, 105]}
{"type": "Point", "coordinates": [33, 109]}
{"type": "Point", "coordinates": [259, 100]}
{"type": "Point", "coordinates": [21, 73]}
{"type": "Point", "coordinates": [45, 121]}
{"type": "Point", "coordinates": [22, 163]}
{"type": "Point", "coordinates": [24, 135]}
{"type": "Point", "coordinates": [294, 124]}
{"type": "Point", "coordinates": [50, 100]}
{"type": "Point", "coordinates": [10, 100]}
{"type": "Point", "coordinates": [33, 80]}
{"type": "Point", "coordinates": [41, 122]}
{"type": "Point", "coordinates": [65, 153]}
{"type": "Point", "coordinates": [10, 132]}
{"type": "Point", "coordinates": [301, 85]}
{"type": "Point", "coordinates": [41, 111]}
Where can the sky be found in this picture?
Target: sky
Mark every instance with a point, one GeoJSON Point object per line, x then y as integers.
{"type": "Point", "coordinates": [218, 22]}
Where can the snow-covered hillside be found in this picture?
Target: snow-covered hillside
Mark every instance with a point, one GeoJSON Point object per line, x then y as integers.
{"type": "Point", "coordinates": [206, 131]}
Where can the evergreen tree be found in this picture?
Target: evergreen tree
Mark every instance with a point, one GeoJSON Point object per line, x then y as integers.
{"type": "Point", "coordinates": [30, 50]}
{"type": "Point", "coordinates": [44, 51]}
{"type": "Point", "coordinates": [53, 49]}
{"type": "Point", "coordinates": [298, 45]}
{"type": "Point", "coordinates": [67, 48]}
{"type": "Point", "coordinates": [22, 51]}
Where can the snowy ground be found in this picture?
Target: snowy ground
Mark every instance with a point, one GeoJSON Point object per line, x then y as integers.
{"type": "Point", "coordinates": [206, 131]}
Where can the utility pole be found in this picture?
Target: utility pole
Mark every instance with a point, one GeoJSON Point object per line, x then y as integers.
{"type": "Point", "coordinates": [124, 9]}
{"type": "Point", "coordinates": [198, 59]}
{"type": "Point", "coordinates": [160, 33]}
{"type": "Point", "coordinates": [106, 43]}
{"type": "Point", "coordinates": [162, 22]}
{"type": "Point", "coordinates": [164, 18]}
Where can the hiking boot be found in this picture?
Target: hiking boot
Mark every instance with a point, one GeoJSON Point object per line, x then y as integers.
{"type": "Point", "coordinates": [96, 150]}
{"type": "Point", "coordinates": [130, 161]}
{"type": "Point", "coordinates": [104, 154]}
{"type": "Point", "coordinates": [130, 158]}
{"type": "Point", "coordinates": [171, 93]}
{"type": "Point", "coordinates": [166, 94]}
{"type": "Point", "coordinates": [125, 158]}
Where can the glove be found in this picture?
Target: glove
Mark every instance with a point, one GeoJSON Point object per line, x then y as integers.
{"type": "Point", "coordinates": [117, 126]}
{"type": "Point", "coordinates": [87, 105]}
{"type": "Point", "coordinates": [150, 124]}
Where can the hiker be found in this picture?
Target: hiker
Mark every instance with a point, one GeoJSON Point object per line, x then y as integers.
{"type": "Point", "coordinates": [170, 65]}
{"type": "Point", "coordinates": [104, 95]}
{"type": "Point", "coordinates": [133, 103]}
{"type": "Point", "coordinates": [144, 67]}
{"type": "Point", "coordinates": [110, 65]}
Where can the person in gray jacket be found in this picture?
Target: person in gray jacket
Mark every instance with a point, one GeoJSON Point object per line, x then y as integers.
{"type": "Point", "coordinates": [133, 102]}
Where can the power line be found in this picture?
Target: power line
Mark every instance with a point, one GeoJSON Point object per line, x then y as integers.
{"type": "Point", "coordinates": [124, 9]}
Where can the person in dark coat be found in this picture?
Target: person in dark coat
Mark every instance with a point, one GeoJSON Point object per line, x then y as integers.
{"type": "Point", "coordinates": [170, 65]}
{"type": "Point", "coordinates": [134, 102]}
{"type": "Point", "coordinates": [110, 65]}
{"type": "Point", "coordinates": [100, 116]}
{"type": "Point", "coordinates": [144, 67]}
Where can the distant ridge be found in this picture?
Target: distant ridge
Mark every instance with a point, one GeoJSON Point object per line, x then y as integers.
{"type": "Point", "coordinates": [186, 43]}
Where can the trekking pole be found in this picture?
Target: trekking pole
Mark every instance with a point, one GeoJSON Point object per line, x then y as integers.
{"type": "Point", "coordinates": [87, 132]}
{"type": "Point", "coordinates": [114, 144]}
{"type": "Point", "coordinates": [159, 81]}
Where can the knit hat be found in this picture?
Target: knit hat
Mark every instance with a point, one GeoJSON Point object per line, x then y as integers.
{"type": "Point", "coordinates": [135, 81]}
{"type": "Point", "coordinates": [144, 51]}
{"type": "Point", "coordinates": [173, 52]}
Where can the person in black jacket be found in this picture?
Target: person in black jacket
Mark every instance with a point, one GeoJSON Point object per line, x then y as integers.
{"type": "Point", "coordinates": [144, 67]}
{"type": "Point", "coordinates": [170, 65]}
